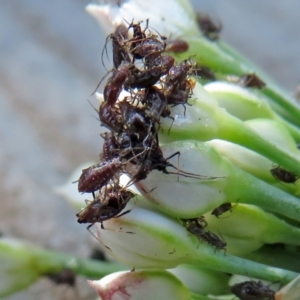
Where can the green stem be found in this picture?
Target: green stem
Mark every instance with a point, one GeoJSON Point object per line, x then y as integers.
{"type": "Point", "coordinates": [217, 260]}
{"type": "Point", "coordinates": [51, 262]}
{"type": "Point", "coordinates": [222, 59]}
{"type": "Point", "coordinates": [251, 190]}
{"type": "Point", "coordinates": [234, 130]}
{"type": "Point", "coordinates": [275, 257]}
{"type": "Point", "coordinates": [198, 297]}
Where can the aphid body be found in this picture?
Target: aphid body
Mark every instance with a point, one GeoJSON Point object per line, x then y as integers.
{"type": "Point", "coordinates": [252, 290]}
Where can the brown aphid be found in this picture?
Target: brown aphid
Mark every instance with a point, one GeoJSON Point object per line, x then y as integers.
{"type": "Point", "coordinates": [222, 209]}
{"type": "Point", "coordinates": [251, 80]}
{"type": "Point", "coordinates": [177, 46]}
{"type": "Point", "coordinates": [104, 208]}
{"type": "Point", "coordinates": [214, 240]}
{"type": "Point", "coordinates": [111, 148]}
{"type": "Point", "coordinates": [115, 84]}
{"type": "Point", "coordinates": [97, 176]}
{"type": "Point", "coordinates": [66, 276]}
{"type": "Point", "coordinates": [204, 72]}
{"type": "Point", "coordinates": [110, 117]}
{"type": "Point", "coordinates": [252, 290]}
{"type": "Point", "coordinates": [195, 226]}
{"type": "Point", "coordinates": [151, 75]}
{"type": "Point", "coordinates": [119, 49]}
{"type": "Point", "coordinates": [208, 27]}
{"type": "Point", "coordinates": [283, 175]}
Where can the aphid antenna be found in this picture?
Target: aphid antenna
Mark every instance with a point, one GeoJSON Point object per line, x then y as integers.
{"type": "Point", "coordinates": [187, 174]}
{"type": "Point", "coordinates": [95, 109]}
{"type": "Point", "coordinates": [105, 49]}
{"type": "Point", "coordinates": [101, 82]}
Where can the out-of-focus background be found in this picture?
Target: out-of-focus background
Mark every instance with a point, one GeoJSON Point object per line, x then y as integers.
{"type": "Point", "coordinates": [50, 63]}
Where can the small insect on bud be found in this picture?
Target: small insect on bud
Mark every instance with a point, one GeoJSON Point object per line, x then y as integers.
{"type": "Point", "coordinates": [283, 175]}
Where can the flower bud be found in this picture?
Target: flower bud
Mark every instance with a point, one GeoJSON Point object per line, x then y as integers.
{"type": "Point", "coordinates": [238, 101]}
{"type": "Point", "coordinates": [179, 21]}
{"type": "Point", "coordinates": [185, 197]}
{"type": "Point", "coordinates": [200, 280]}
{"type": "Point", "coordinates": [141, 284]}
{"type": "Point", "coordinates": [248, 227]}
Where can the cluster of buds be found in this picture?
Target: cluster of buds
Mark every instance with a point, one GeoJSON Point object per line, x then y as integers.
{"type": "Point", "coordinates": [243, 144]}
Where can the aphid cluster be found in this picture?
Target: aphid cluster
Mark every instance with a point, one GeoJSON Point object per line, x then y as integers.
{"type": "Point", "coordinates": [197, 226]}
{"type": "Point", "coordinates": [143, 69]}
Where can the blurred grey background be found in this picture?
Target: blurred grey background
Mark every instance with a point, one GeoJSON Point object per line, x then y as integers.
{"type": "Point", "coordinates": [50, 63]}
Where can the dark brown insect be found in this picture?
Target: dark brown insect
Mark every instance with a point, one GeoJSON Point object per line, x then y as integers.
{"type": "Point", "coordinates": [177, 46]}
{"type": "Point", "coordinates": [222, 209]}
{"type": "Point", "coordinates": [247, 80]}
{"type": "Point", "coordinates": [111, 148]}
{"type": "Point", "coordinates": [119, 48]}
{"type": "Point", "coordinates": [66, 276]}
{"type": "Point", "coordinates": [252, 290]}
{"type": "Point", "coordinates": [195, 226]}
{"type": "Point", "coordinates": [110, 117]}
{"type": "Point", "coordinates": [283, 175]}
{"type": "Point", "coordinates": [178, 74]}
{"type": "Point", "coordinates": [105, 207]}
{"type": "Point", "coordinates": [208, 27]}
{"type": "Point", "coordinates": [214, 240]}
{"type": "Point", "coordinates": [151, 75]}
{"type": "Point", "coordinates": [115, 84]}
{"type": "Point", "coordinates": [204, 72]}
{"type": "Point", "coordinates": [251, 80]}
{"type": "Point", "coordinates": [97, 176]}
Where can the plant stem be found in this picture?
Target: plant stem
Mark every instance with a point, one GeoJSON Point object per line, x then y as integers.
{"type": "Point", "coordinates": [51, 262]}
{"type": "Point", "coordinates": [217, 260]}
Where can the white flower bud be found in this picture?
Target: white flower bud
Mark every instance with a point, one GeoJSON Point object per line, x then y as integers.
{"type": "Point", "coordinates": [178, 21]}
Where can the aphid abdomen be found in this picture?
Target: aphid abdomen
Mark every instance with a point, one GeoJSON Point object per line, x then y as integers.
{"type": "Point", "coordinates": [99, 175]}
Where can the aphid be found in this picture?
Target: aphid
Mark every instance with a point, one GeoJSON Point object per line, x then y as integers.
{"type": "Point", "coordinates": [66, 276]}
{"type": "Point", "coordinates": [283, 175]}
{"type": "Point", "coordinates": [109, 117]}
{"type": "Point", "coordinates": [252, 290]}
{"type": "Point", "coordinates": [247, 80]}
{"type": "Point", "coordinates": [104, 208]}
{"type": "Point", "coordinates": [97, 176]}
{"type": "Point", "coordinates": [177, 46]}
{"type": "Point", "coordinates": [119, 49]}
{"type": "Point", "coordinates": [204, 72]}
{"type": "Point", "coordinates": [208, 27]}
{"type": "Point", "coordinates": [195, 226]}
{"type": "Point", "coordinates": [110, 149]}
{"type": "Point", "coordinates": [115, 84]}
{"type": "Point", "coordinates": [177, 75]}
{"type": "Point", "coordinates": [222, 209]}
{"type": "Point", "coordinates": [251, 80]}
{"type": "Point", "coordinates": [214, 240]}
{"type": "Point", "coordinates": [146, 78]}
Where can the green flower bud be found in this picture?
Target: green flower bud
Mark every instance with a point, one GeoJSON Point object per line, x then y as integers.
{"type": "Point", "coordinates": [146, 238]}
{"type": "Point", "coordinates": [141, 284]}
{"type": "Point", "coordinates": [246, 104]}
{"type": "Point", "coordinates": [184, 197]}
{"type": "Point", "coordinates": [255, 228]}
{"type": "Point", "coordinates": [205, 120]}
{"type": "Point", "coordinates": [201, 281]}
